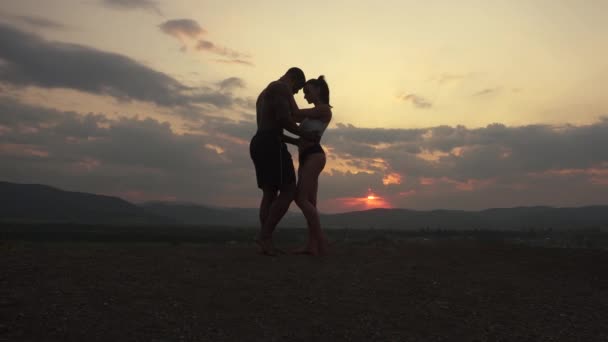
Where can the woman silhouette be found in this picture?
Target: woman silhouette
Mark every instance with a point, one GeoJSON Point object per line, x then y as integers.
{"type": "Point", "coordinates": [311, 160]}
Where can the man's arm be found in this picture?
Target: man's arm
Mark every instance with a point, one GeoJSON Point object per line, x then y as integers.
{"type": "Point", "coordinates": [283, 114]}
{"type": "Point", "coordinates": [294, 109]}
{"type": "Point", "coordinates": [282, 100]}
{"type": "Point", "coordinates": [287, 122]}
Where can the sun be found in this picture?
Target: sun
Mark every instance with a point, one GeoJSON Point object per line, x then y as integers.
{"type": "Point", "coordinates": [371, 197]}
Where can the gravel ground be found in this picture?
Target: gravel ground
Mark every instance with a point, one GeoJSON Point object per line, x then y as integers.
{"type": "Point", "coordinates": [374, 291]}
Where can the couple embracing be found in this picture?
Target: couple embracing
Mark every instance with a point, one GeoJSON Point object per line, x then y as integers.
{"type": "Point", "coordinates": [276, 111]}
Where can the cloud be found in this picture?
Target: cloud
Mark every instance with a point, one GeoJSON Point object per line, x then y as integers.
{"type": "Point", "coordinates": [231, 83]}
{"type": "Point", "coordinates": [35, 22]}
{"type": "Point", "coordinates": [234, 61]}
{"type": "Point", "coordinates": [417, 100]}
{"type": "Point", "coordinates": [182, 28]}
{"type": "Point", "coordinates": [480, 152]}
{"type": "Point", "coordinates": [28, 60]}
{"type": "Point", "coordinates": [204, 45]}
{"type": "Point", "coordinates": [495, 165]}
{"type": "Point", "coordinates": [92, 152]}
{"type": "Point", "coordinates": [425, 168]}
{"type": "Point", "coordinates": [189, 33]}
{"type": "Point", "coordinates": [488, 91]}
{"type": "Point", "coordinates": [147, 5]}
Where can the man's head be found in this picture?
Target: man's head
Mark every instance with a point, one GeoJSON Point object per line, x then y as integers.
{"type": "Point", "coordinates": [295, 77]}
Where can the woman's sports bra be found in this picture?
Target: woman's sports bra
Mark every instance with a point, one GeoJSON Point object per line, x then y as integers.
{"type": "Point", "coordinates": [314, 125]}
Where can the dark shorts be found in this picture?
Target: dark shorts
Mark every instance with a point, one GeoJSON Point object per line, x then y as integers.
{"type": "Point", "coordinates": [308, 151]}
{"type": "Point", "coordinates": [272, 161]}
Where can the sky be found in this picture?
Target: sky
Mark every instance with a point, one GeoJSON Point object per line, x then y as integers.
{"type": "Point", "coordinates": [437, 104]}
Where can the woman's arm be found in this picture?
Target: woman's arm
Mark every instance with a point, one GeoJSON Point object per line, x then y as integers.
{"type": "Point", "coordinates": [322, 113]}
{"type": "Point", "coordinates": [290, 140]}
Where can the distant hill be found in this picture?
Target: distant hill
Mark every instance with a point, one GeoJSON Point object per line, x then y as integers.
{"type": "Point", "coordinates": [493, 219]}
{"type": "Point", "coordinates": [42, 203]}
{"type": "Point", "coordinates": [203, 215]}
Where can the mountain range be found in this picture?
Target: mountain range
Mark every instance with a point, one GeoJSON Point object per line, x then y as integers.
{"type": "Point", "coordinates": [35, 203]}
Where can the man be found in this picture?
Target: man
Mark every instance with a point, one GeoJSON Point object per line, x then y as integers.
{"type": "Point", "coordinates": [274, 169]}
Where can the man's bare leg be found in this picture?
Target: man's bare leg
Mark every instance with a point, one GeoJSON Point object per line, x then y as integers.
{"type": "Point", "coordinates": [277, 210]}
{"type": "Point", "coordinates": [269, 196]}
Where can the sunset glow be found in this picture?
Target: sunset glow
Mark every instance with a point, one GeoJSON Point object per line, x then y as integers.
{"type": "Point", "coordinates": [355, 203]}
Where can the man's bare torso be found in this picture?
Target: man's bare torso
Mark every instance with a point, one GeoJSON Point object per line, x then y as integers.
{"type": "Point", "coordinates": [270, 101]}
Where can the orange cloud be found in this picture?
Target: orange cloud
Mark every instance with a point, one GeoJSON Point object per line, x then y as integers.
{"type": "Point", "coordinates": [433, 156]}
{"type": "Point", "coordinates": [426, 181]}
{"type": "Point", "coordinates": [392, 179]}
{"type": "Point", "coordinates": [217, 149]}
{"type": "Point", "coordinates": [23, 150]}
{"type": "Point", "coordinates": [87, 164]}
{"type": "Point", "coordinates": [597, 175]}
{"type": "Point", "coordinates": [457, 151]}
{"type": "Point", "coordinates": [567, 172]}
{"type": "Point", "coordinates": [347, 163]}
{"type": "Point", "coordinates": [468, 185]}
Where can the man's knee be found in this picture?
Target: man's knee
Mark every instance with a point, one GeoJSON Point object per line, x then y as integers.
{"type": "Point", "coordinates": [270, 192]}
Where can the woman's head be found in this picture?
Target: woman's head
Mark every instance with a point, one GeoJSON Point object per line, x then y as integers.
{"type": "Point", "coordinates": [316, 90]}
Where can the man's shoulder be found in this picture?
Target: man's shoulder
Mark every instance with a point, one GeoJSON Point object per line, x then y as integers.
{"type": "Point", "coordinates": [277, 88]}
{"type": "Point", "coordinates": [324, 108]}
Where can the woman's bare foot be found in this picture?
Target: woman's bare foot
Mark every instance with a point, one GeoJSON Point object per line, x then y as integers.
{"type": "Point", "coordinates": [316, 247]}
{"type": "Point", "coordinates": [304, 250]}
{"type": "Point", "coordinates": [313, 248]}
{"type": "Point", "coordinates": [323, 247]}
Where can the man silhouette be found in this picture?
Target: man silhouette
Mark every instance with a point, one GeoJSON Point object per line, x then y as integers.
{"type": "Point", "coordinates": [274, 169]}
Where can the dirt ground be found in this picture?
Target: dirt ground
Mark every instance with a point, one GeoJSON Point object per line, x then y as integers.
{"type": "Point", "coordinates": [375, 291]}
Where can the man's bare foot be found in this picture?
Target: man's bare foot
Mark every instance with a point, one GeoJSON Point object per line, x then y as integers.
{"type": "Point", "coordinates": [266, 246]}
{"type": "Point", "coordinates": [305, 250]}
{"type": "Point", "coordinates": [278, 251]}
{"type": "Point", "coordinates": [323, 247]}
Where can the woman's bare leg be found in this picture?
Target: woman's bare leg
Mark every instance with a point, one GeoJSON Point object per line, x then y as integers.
{"type": "Point", "coordinates": [307, 247]}
{"type": "Point", "coordinates": [305, 199]}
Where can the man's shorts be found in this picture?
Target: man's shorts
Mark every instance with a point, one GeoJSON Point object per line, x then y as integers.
{"type": "Point", "coordinates": [272, 161]}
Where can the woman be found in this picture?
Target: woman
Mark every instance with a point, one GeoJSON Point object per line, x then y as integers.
{"type": "Point", "coordinates": [312, 160]}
